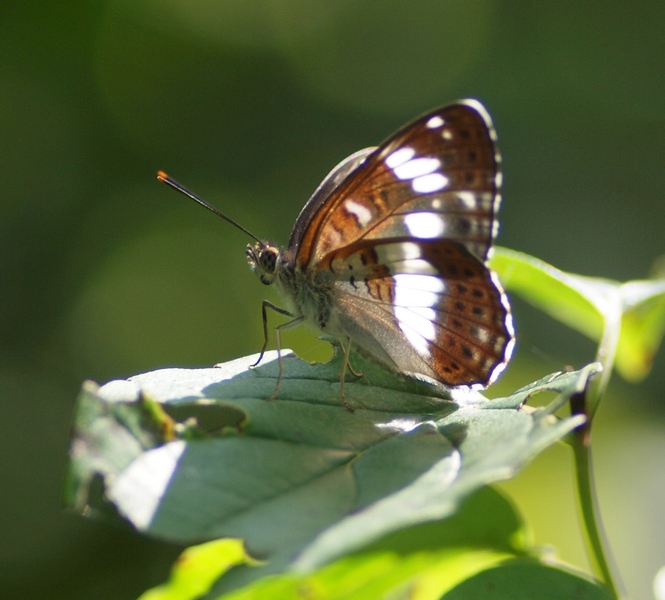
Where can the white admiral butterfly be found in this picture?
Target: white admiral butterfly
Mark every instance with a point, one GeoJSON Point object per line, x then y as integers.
{"type": "Point", "coordinates": [389, 253]}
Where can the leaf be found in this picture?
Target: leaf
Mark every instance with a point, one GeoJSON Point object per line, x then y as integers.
{"type": "Point", "coordinates": [627, 319]}
{"type": "Point", "coordinates": [642, 328]}
{"type": "Point", "coordinates": [300, 479]}
{"type": "Point", "coordinates": [517, 579]}
{"type": "Point", "coordinates": [440, 572]}
{"type": "Point", "coordinates": [486, 523]}
{"type": "Point", "coordinates": [449, 576]}
{"type": "Point", "coordinates": [108, 435]}
{"type": "Point", "coordinates": [480, 548]}
{"type": "Point", "coordinates": [197, 568]}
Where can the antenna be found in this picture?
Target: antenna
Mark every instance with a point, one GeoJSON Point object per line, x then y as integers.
{"type": "Point", "coordinates": [183, 190]}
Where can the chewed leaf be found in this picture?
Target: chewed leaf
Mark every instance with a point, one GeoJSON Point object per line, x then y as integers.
{"type": "Point", "coordinates": [628, 319]}
{"type": "Point", "coordinates": [300, 479]}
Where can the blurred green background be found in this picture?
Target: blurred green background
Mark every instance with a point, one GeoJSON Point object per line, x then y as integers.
{"type": "Point", "coordinates": [106, 273]}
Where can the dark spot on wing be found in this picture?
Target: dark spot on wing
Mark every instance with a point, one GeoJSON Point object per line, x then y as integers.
{"type": "Point", "coordinates": [463, 226]}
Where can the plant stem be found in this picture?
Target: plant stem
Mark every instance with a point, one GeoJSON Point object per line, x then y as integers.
{"type": "Point", "coordinates": [587, 403]}
{"type": "Point", "coordinates": [597, 546]}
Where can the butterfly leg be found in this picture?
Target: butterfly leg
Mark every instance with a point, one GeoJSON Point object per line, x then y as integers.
{"type": "Point", "coordinates": [278, 344]}
{"type": "Point", "coordinates": [266, 304]}
{"type": "Point", "coordinates": [347, 354]}
{"type": "Point", "coordinates": [346, 363]}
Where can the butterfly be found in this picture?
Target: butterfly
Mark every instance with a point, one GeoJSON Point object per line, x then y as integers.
{"type": "Point", "coordinates": [389, 254]}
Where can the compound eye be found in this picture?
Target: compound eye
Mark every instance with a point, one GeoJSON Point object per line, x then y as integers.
{"type": "Point", "coordinates": [268, 260]}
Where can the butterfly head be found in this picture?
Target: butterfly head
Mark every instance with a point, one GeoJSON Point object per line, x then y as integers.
{"type": "Point", "coordinates": [263, 259]}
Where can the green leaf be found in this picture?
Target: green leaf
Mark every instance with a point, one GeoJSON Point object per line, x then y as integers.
{"type": "Point", "coordinates": [109, 433]}
{"type": "Point", "coordinates": [300, 479]}
{"type": "Point", "coordinates": [642, 328]}
{"type": "Point", "coordinates": [442, 573]}
{"type": "Point", "coordinates": [480, 548]}
{"type": "Point", "coordinates": [525, 579]}
{"type": "Point", "coordinates": [627, 319]}
{"type": "Point", "coordinates": [417, 575]}
{"type": "Point", "coordinates": [197, 569]}
{"type": "Point", "coordinates": [485, 523]}
{"type": "Point", "coordinates": [446, 575]}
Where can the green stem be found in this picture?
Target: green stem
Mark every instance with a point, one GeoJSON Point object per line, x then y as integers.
{"type": "Point", "coordinates": [598, 548]}
{"type": "Point", "coordinates": [587, 403]}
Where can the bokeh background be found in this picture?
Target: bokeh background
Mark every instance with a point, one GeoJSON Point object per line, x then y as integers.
{"type": "Point", "coordinates": [106, 273]}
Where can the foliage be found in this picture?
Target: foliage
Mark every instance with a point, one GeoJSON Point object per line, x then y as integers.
{"type": "Point", "coordinates": [389, 499]}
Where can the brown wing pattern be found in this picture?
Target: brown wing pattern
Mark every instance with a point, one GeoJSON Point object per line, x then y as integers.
{"type": "Point", "coordinates": [436, 296]}
{"type": "Point", "coordinates": [435, 178]}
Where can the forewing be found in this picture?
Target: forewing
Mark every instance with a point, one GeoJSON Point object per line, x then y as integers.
{"type": "Point", "coordinates": [429, 308]}
{"type": "Point", "coordinates": [436, 178]}
{"type": "Point", "coordinates": [323, 193]}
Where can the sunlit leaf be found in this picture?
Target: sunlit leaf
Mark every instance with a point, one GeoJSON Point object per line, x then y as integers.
{"type": "Point", "coordinates": [642, 327]}
{"type": "Point", "coordinates": [197, 569]}
{"type": "Point", "coordinates": [627, 319]}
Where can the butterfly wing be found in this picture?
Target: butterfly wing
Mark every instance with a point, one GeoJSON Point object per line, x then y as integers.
{"type": "Point", "coordinates": [332, 181]}
{"type": "Point", "coordinates": [437, 177]}
{"type": "Point", "coordinates": [406, 232]}
{"type": "Point", "coordinates": [428, 308]}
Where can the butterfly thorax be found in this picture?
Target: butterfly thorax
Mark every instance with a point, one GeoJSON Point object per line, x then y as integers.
{"type": "Point", "coordinates": [307, 294]}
